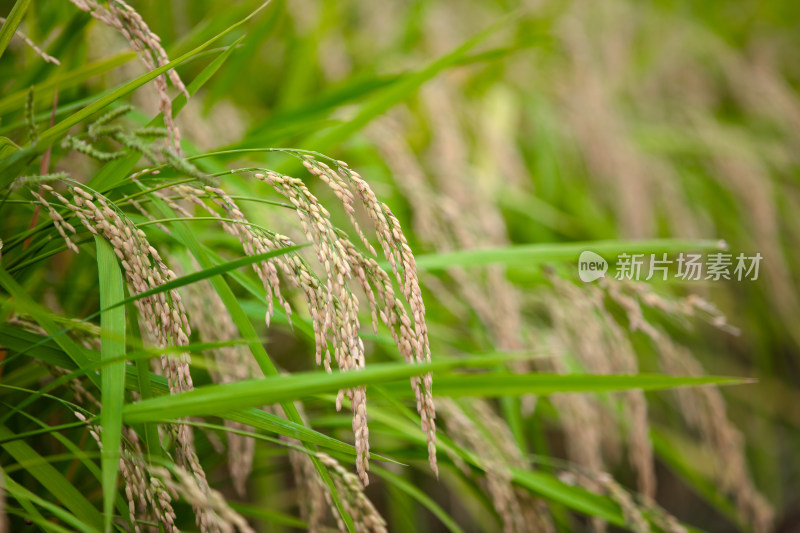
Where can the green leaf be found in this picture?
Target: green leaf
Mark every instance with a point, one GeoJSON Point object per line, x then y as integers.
{"type": "Point", "coordinates": [273, 389]}
{"type": "Point", "coordinates": [502, 384]}
{"type": "Point", "coordinates": [216, 399]}
{"type": "Point", "coordinates": [573, 497]}
{"type": "Point", "coordinates": [51, 479]}
{"type": "Point", "coordinates": [535, 254]}
{"type": "Point", "coordinates": [7, 147]}
{"type": "Point", "coordinates": [64, 80]}
{"type": "Point", "coordinates": [12, 23]}
{"type": "Point", "coordinates": [20, 493]}
{"type": "Point", "coordinates": [112, 344]}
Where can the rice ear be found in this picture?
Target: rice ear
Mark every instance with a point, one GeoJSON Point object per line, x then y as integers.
{"type": "Point", "coordinates": [123, 18]}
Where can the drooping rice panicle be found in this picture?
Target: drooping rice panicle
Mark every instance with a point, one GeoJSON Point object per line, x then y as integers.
{"type": "Point", "coordinates": [123, 18]}
{"type": "Point", "coordinates": [332, 305]}
{"type": "Point", "coordinates": [365, 517]}
{"type": "Point", "coordinates": [163, 315]}
{"type": "Point", "coordinates": [704, 409]}
{"type": "Point", "coordinates": [514, 508]}
{"type": "Point", "coordinates": [211, 320]}
{"type": "Point", "coordinates": [32, 45]}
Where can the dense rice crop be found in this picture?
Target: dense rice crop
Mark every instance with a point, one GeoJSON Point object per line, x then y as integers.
{"type": "Point", "coordinates": [326, 266]}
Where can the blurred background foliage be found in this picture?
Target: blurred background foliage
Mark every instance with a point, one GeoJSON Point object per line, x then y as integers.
{"type": "Point", "coordinates": [495, 123]}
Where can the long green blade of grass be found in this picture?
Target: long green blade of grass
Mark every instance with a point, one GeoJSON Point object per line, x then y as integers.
{"type": "Point", "coordinates": [12, 23]}
{"type": "Point", "coordinates": [498, 385]}
{"type": "Point", "coordinates": [271, 389]}
{"type": "Point", "coordinates": [112, 377]}
{"type": "Point", "coordinates": [20, 493]}
{"type": "Point", "coordinates": [51, 479]}
{"type": "Point", "coordinates": [535, 254]}
{"type": "Point", "coordinates": [62, 81]}
{"type": "Point", "coordinates": [220, 398]}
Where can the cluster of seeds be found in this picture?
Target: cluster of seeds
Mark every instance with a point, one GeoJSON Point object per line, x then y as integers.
{"type": "Point", "coordinates": [703, 408]}
{"type": "Point", "coordinates": [332, 305]}
{"type": "Point", "coordinates": [254, 241]}
{"type": "Point", "coordinates": [146, 493]}
{"type": "Point", "coordinates": [62, 226]}
{"type": "Point", "coordinates": [223, 519]}
{"type": "Point", "coordinates": [145, 497]}
{"type": "Point", "coordinates": [147, 45]}
{"type": "Point", "coordinates": [27, 40]}
{"type": "Point", "coordinates": [585, 328]}
{"type": "Point", "coordinates": [366, 519]}
{"type": "Point", "coordinates": [210, 319]}
{"type": "Point", "coordinates": [163, 314]}
{"type": "Point", "coordinates": [314, 499]}
{"type": "Point", "coordinates": [410, 337]}
{"type": "Point", "coordinates": [492, 443]}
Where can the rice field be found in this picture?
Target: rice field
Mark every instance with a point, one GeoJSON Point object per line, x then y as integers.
{"type": "Point", "coordinates": [399, 266]}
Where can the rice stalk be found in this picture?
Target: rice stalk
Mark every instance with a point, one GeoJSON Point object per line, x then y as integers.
{"type": "Point", "coordinates": [517, 509]}
{"type": "Point", "coordinates": [365, 517]}
{"type": "Point", "coordinates": [32, 45]}
{"type": "Point", "coordinates": [210, 318]}
{"type": "Point", "coordinates": [332, 305]}
{"type": "Point", "coordinates": [123, 18]}
{"type": "Point", "coordinates": [163, 315]}
{"type": "Point", "coordinates": [704, 410]}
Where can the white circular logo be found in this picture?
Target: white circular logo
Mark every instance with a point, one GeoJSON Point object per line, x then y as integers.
{"type": "Point", "coordinates": [591, 266]}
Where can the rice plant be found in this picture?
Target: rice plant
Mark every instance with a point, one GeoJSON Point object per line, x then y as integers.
{"type": "Point", "coordinates": [292, 266]}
